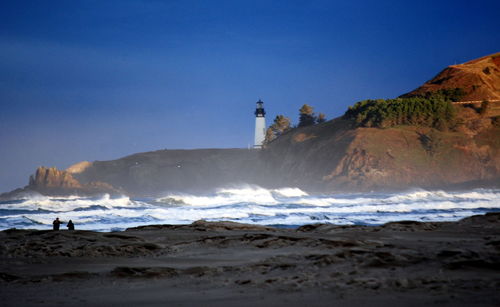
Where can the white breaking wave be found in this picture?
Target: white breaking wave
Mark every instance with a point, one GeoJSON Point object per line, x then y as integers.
{"type": "Point", "coordinates": [224, 197]}
{"type": "Point", "coordinates": [290, 192]}
{"type": "Point", "coordinates": [249, 204]}
{"type": "Point", "coordinates": [68, 203]}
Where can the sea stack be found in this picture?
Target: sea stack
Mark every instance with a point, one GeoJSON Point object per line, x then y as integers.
{"type": "Point", "coordinates": [260, 124]}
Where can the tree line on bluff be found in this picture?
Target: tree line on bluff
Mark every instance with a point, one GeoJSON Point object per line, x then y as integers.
{"type": "Point", "coordinates": [282, 124]}
{"type": "Point", "coordinates": [432, 109]}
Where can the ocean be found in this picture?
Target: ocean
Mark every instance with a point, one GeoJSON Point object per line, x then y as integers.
{"type": "Point", "coordinates": [286, 207]}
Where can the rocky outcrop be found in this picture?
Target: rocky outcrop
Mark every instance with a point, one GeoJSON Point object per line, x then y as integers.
{"type": "Point", "coordinates": [52, 178]}
{"type": "Point", "coordinates": [51, 181]}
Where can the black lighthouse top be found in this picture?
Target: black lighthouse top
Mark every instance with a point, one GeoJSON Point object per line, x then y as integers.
{"type": "Point", "coordinates": [259, 111]}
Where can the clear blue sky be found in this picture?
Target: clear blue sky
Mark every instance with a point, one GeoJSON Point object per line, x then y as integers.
{"type": "Point", "coordinates": [98, 80]}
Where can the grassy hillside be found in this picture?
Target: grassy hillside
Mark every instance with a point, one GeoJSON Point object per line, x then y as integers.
{"type": "Point", "coordinates": [479, 78]}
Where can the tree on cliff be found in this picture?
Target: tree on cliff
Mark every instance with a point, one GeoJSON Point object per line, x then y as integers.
{"type": "Point", "coordinates": [306, 116]}
{"type": "Point", "coordinates": [321, 118]}
{"type": "Point", "coordinates": [280, 125]}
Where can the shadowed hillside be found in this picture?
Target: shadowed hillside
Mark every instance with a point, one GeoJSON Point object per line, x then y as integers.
{"type": "Point", "coordinates": [159, 171]}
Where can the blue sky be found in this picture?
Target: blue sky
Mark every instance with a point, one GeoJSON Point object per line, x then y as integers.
{"type": "Point", "coordinates": [98, 80]}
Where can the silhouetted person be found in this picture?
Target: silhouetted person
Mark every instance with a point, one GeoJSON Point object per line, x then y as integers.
{"type": "Point", "coordinates": [70, 225]}
{"type": "Point", "coordinates": [56, 223]}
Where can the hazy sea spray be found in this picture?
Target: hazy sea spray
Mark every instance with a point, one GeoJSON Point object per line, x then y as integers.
{"type": "Point", "coordinates": [251, 204]}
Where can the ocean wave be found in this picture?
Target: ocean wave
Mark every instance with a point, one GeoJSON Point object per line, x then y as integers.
{"type": "Point", "coordinates": [424, 196]}
{"type": "Point", "coordinates": [69, 203]}
{"type": "Point", "coordinates": [248, 204]}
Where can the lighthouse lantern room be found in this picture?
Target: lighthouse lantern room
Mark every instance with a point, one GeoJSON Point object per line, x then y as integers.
{"type": "Point", "coordinates": [260, 124]}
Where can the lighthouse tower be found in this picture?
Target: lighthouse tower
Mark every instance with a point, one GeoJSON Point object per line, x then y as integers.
{"type": "Point", "coordinates": [260, 124]}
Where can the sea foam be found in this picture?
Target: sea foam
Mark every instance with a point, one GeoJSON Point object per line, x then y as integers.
{"type": "Point", "coordinates": [247, 204]}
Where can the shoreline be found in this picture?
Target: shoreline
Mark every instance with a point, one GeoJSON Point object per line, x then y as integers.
{"type": "Point", "coordinates": [227, 264]}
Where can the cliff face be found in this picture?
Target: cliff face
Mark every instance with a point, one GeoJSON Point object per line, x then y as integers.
{"type": "Point", "coordinates": [480, 79]}
{"type": "Point", "coordinates": [366, 159]}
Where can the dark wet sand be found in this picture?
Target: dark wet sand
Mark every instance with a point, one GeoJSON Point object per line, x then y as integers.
{"type": "Point", "coordinates": [229, 264]}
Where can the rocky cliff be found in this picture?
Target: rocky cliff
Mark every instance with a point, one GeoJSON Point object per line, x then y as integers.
{"type": "Point", "coordinates": [52, 178]}
{"type": "Point", "coordinates": [51, 181]}
{"type": "Point", "coordinates": [335, 158]}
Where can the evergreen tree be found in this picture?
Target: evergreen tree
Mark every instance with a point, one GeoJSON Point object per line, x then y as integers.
{"type": "Point", "coordinates": [280, 125]}
{"type": "Point", "coordinates": [431, 111]}
{"type": "Point", "coordinates": [321, 118]}
{"type": "Point", "coordinates": [306, 116]}
{"type": "Point", "coordinates": [269, 135]}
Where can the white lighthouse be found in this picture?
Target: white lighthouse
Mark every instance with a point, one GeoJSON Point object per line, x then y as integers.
{"type": "Point", "coordinates": [260, 125]}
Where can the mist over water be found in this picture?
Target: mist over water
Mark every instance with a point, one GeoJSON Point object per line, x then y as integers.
{"type": "Point", "coordinates": [287, 207]}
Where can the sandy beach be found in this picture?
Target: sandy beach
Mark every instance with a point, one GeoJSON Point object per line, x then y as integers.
{"type": "Point", "coordinates": [228, 264]}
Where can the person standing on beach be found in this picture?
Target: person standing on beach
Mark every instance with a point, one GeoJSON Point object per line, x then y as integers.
{"type": "Point", "coordinates": [70, 225]}
{"type": "Point", "coordinates": [56, 223]}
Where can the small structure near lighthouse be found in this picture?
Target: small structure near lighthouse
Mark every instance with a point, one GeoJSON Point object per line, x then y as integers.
{"type": "Point", "coordinates": [260, 125]}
